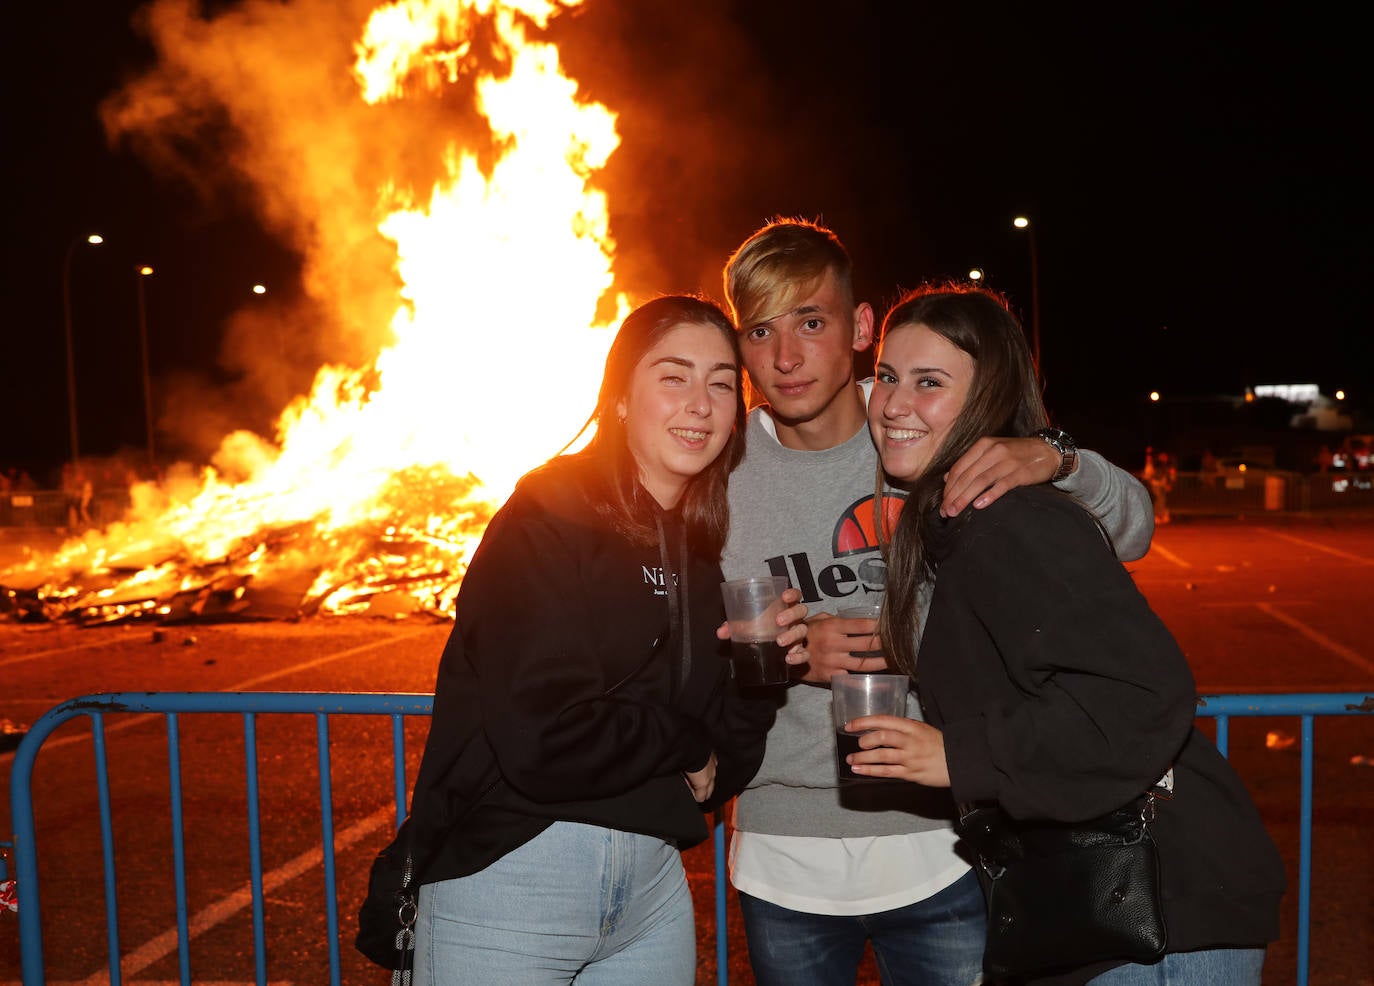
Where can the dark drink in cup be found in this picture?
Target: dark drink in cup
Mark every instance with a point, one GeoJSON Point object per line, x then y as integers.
{"type": "Point", "coordinates": [758, 662]}
{"type": "Point", "coordinates": [845, 744]}
{"type": "Point", "coordinates": [866, 645]}
{"type": "Point", "coordinates": [855, 695]}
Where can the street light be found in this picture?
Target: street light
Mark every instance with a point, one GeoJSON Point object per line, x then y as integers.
{"type": "Point", "coordinates": [94, 239]}
{"type": "Point", "coordinates": [1021, 222]}
{"type": "Point", "coordinates": [143, 272]}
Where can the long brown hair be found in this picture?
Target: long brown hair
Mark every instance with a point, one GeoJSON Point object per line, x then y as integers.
{"type": "Point", "coordinates": [617, 494]}
{"type": "Point", "coordinates": [1003, 399]}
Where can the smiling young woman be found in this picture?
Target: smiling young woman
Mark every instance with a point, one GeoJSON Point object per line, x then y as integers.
{"type": "Point", "coordinates": [1050, 690]}
{"type": "Point", "coordinates": [584, 715]}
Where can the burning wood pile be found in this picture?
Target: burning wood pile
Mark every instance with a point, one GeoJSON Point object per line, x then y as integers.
{"type": "Point", "coordinates": [408, 561]}
{"type": "Point", "coordinates": [359, 131]}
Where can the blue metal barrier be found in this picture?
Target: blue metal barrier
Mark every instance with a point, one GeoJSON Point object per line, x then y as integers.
{"type": "Point", "coordinates": [1223, 707]}
{"type": "Point", "coordinates": [322, 705]}
{"type": "Point", "coordinates": [171, 704]}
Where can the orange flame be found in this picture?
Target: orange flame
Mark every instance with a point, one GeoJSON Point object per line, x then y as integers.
{"type": "Point", "coordinates": [387, 473]}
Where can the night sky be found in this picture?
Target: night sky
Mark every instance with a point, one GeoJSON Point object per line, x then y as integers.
{"type": "Point", "coordinates": [1198, 176]}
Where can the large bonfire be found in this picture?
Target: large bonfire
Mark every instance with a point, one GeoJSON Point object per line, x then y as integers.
{"type": "Point", "coordinates": [379, 482]}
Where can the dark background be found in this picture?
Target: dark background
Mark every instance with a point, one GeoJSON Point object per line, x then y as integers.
{"type": "Point", "coordinates": [1198, 176]}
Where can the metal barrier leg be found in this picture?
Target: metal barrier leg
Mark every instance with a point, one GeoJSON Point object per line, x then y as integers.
{"type": "Point", "coordinates": [178, 849]}
{"type": "Point", "coordinates": [250, 746]}
{"type": "Point", "coordinates": [722, 932]}
{"type": "Point", "coordinates": [102, 780]}
{"type": "Point", "coordinates": [331, 893]}
{"type": "Point", "coordinates": [1305, 852]}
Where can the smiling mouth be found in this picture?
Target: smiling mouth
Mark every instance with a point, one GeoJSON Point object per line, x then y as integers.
{"type": "Point", "coordinates": [904, 434]}
{"type": "Point", "coordinates": [688, 435]}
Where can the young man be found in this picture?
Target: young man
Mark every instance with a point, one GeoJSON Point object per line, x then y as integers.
{"type": "Point", "coordinates": [822, 868]}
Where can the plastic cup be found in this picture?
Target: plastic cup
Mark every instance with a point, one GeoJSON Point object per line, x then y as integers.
{"type": "Point", "coordinates": [864, 641]}
{"type": "Point", "coordinates": [854, 695]}
{"type": "Point", "coordinates": [751, 608]}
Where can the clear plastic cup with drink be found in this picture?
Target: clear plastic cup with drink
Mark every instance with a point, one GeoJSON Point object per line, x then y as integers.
{"type": "Point", "coordinates": [752, 606]}
{"type": "Point", "coordinates": [855, 695]}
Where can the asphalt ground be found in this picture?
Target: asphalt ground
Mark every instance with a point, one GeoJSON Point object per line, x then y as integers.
{"type": "Point", "coordinates": [1271, 603]}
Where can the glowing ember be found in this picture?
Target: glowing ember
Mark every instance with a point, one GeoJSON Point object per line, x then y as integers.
{"type": "Point", "coordinates": [381, 480]}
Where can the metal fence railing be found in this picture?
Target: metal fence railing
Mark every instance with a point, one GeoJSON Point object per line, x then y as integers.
{"type": "Point", "coordinates": [56, 508]}
{"type": "Point", "coordinates": [398, 707]}
{"type": "Point", "coordinates": [1269, 490]}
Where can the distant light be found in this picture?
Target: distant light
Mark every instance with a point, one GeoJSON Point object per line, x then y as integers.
{"type": "Point", "coordinates": [1154, 395]}
{"type": "Point", "coordinates": [1020, 222]}
{"type": "Point", "coordinates": [145, 270]}
{"type": "Point", "coordinates": [1241, 467]}
{"type": "Point", "coordinates": [976, 274]}
{"type": "Point", "coordinates": [259, 289]}
{"type": "Point", "coordinates": [1340, 395]}
{"type": "Point", "coordinates": [1294, 393]}
{"type": "Point", "coordinates": [95, 239]}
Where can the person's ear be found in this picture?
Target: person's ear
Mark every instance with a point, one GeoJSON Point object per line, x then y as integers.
{"type": "Point", "coordinates": [620, 411]}
{"type": "Point", "coordinates": [863, 327]}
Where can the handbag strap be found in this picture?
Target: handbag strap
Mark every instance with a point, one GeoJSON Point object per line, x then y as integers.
{"type": "Point", "coordinates": [407, 900]}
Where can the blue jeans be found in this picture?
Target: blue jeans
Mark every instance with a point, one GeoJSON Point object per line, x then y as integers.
{"type": "Point", "coordinates": [1209, 967]}
{"type": "Point", "coordinates": [577, 904]}
{"type": "Point", "coordinates": [933, 942]}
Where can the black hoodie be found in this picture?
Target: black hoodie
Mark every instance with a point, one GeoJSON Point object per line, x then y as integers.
{"type": "Point", "coordinates": [1061, 695]}
{"type": "Point", "coordinates": [562, 693]}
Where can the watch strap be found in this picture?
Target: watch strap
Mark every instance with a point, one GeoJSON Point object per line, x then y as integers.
{"type": "Point", "coordinates": [1062, 443]}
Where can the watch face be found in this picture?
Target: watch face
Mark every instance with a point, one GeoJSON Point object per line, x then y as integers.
{"type": "Point", "coordinates": [1058, 438]}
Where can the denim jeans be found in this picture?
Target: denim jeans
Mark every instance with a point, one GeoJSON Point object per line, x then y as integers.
{"type": "Point", "coordinates": [577, 904]}
{"type": "Point", "coordinates": [934, 942]}
{"type": "Point", "coordinates": [1209, 967]}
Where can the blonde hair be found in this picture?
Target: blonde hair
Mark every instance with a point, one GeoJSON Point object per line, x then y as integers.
{"type": "Point", "coordinates": [781, 264]}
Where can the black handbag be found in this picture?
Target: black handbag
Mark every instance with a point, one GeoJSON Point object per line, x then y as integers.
{"type": "Point", "coordinates": [1061, 896]}
{"type": "Point", "coordinates": [386, 919]}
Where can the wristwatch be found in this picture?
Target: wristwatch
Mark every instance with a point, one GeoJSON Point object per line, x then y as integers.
{"type": "Point", "coordinates": [1064, 445]}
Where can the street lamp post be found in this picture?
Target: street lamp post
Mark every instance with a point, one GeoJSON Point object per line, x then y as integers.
{"type": "Point", "coordinates": [94, 239]}
{"type": "Point", "coordinates": [144, 272]}
{"type": "Point", "coordinates": [1021, 222]}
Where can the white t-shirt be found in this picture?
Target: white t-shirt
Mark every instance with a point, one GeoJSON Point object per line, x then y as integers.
{"type": "Point", "coordinates": [844, 876]}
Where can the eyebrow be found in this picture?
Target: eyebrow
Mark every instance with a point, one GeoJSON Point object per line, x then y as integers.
{"type": "Point", "coordinates": [916, 369]}
{"type": "Point", "coordinates": [799, 310]}
{"type": "Point", "coordinates": [688, 364]}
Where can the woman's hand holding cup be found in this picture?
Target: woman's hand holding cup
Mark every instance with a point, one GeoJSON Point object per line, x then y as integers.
{"type": "Point", "coordinates": [899, 748]}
